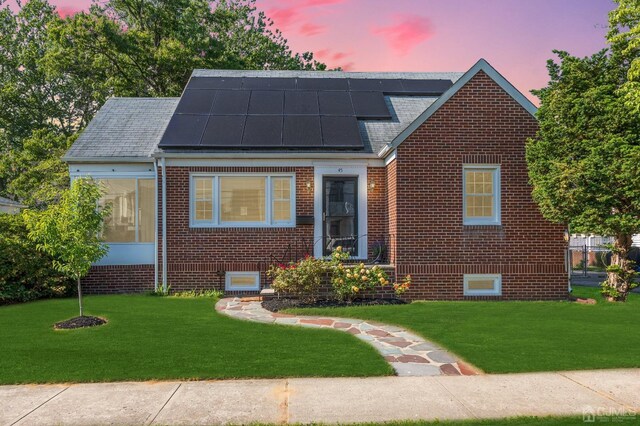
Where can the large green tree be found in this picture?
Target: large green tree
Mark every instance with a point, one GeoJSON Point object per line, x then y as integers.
{"type": "Point", "coordinates": [150, 47]}
{"type": "Point", "coordinates": [56, 73]}
{"type": "Point", "coordinates": [624, 37]}
{"type": "Point", "coordinates": [32, 100]}
{"type": "Point", "coordinates": [584, 163]}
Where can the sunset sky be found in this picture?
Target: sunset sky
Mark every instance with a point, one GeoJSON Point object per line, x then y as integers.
{"type": "Point", "coordinates": [515, 36]}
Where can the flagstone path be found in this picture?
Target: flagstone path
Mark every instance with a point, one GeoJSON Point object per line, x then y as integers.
{"type": "Point", "coordinates": [408, 353]}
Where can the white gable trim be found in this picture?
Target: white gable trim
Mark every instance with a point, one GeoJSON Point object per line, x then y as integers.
{"type": "Point", "coordinates": [481, 65]}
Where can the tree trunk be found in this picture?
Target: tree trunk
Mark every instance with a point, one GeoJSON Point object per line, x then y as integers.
{"type": "Point", "coordinates": [80, 296]}
{"type": "Point", "coordinates": [620, 274]}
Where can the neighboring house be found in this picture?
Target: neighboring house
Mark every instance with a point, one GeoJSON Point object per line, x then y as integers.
{"type": "Point", "coordinates": [10, 206]}
{"type": "Point", "coordinates": [424, 172]}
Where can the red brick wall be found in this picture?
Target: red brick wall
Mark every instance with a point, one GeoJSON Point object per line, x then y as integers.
{"type": "Point", "coordinates": [198, 257]}
{"type": "Point", "coordinates": [479, 124]}
{"type": "Point", "coordinates": [377, 208]}
{"type": "Point", "coordinates": [118, 279]}
{"type": "Point", "coordinates": [392, 209]}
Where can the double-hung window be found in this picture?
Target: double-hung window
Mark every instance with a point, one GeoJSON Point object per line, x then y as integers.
{"type": "Point", "coordinates": [481, 194]}
{"type": "Point", "coordinates": [234, 200]}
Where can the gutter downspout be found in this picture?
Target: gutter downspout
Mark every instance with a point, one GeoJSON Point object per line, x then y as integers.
{"type": "Point", "coordinates": [164, 227]}
{"type": "Point", "coordinates": [155, 240]}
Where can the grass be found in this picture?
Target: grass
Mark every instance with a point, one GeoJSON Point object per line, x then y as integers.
{"type": "Point", "coordinates": [155, 338]}
{"type": "Point", "coordinates": [511, 421]}
{"type": "Point", "coordinates": [513, 337]}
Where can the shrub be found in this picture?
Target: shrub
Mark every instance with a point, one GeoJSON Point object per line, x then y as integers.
{"type": "Point", "coordinates": [349, 282]}
{"type": "Point", "coordinates": [302, 279]}
{"type": "Point", "coordinates": [25, 272]}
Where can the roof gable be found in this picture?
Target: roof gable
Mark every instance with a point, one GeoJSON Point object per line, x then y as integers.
{"type": "Point", "coordinates": [481, 65]}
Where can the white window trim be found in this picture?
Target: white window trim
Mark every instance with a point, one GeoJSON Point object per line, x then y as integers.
{"type": "Point", "coordinates": [496, 291]}
{"type": "Point", "coordinates": [360, 172]}
{"type": "Point", "coordinates": [229, 275]}
{"type": "Point", "coordinates": [216, 223]}
{"type": "Point", "coordinates": [497, 215]}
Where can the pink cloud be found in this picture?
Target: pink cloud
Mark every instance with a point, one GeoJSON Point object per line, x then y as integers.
{"type": "Point", "coordinates": [335, 59]}
{"type": "Point", "coordinates": [339, 55]}
{"type": "Point", "coordinates": [283, 17]}
{"type": "Point", "coordinates": [348, 66]}
{"type": "Point", "coordinates": [311, 3]}
{"type": "Point", "coordinates": [289, 12]}
{"type": "Point", "coordinates": [406, 33]}
{"type": "Point", "coordinates": [309, 29]}
{"type": "Point", "coordinates": [66, 11]}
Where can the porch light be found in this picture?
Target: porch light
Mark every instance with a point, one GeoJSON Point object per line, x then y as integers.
{"type": "Point", "coordinates": [372, 185]}
{"type": "Point", "coordinates": [308, 185]}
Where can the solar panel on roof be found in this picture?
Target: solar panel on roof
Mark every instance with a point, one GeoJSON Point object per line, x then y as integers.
{"type": "Point", "coordinates": [262, 131]}
{"type": "Point", "coordinates": [335, 103]}
{"type": "Point", "coordinates": [300, 102]}
{"type": "Point", "coordinates": [196, 102]}
{"type": "Point", "coordinates": [426, 87]}
{"type": "Point", "coordinates": [184, 130]}
{"type": "Point", "coordinates": [214, 83]}
{"type": "Point", "coordinates": [392, 86]}
{"type": "Point", "coordinates": [323, 84]}
{"type": "Point", "coordinates": [370, 105]}
{"type": "Point", "coordinates": [367, 84]}
{"type": "Point", "coordinates": [223, 131]}
{"type": "Point", "coordinates": [340, 132]}
{"type": "Point", "coordinates": [302, 131]}
{"type": "Point", "coordinates": [273, 83]}
{"type": "Point", "coordinates": [266, 102]}
{"type": "Point", "coordinates": [231, 102]}
{"type": "Point", "coordinates": [246, 112]}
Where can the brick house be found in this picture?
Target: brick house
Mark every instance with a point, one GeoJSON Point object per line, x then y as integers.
{"type": "Point", "coordinates": [422, 172]}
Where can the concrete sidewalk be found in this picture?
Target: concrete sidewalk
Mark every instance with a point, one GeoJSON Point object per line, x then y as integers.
{"type": "Point", "coordinates": [602, 392]}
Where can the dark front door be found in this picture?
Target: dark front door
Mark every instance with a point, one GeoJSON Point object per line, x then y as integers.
{"type": "Point", "coordinates": [340, 214]}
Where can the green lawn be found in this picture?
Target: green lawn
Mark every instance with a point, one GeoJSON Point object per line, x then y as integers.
{"type": "Point", "coordinates": [508, 337]}
{"type": "Point", "coordinates": [167, 338]}
{"type": "Point", "coordinates": [512, 421]}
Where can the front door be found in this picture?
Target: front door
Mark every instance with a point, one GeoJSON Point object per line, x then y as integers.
{"type": "Point", "coordinates": [340, 214]}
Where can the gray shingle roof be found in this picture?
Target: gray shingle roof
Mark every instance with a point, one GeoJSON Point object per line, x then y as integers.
{"type": "Point", "coordinates": [123, 128]}
{"type": "Point", "coordinates": [133, 127]}
{"type": "Point", "coordinates": [404, 110]}
{"type": "Point", "coordinates": [453, 76]}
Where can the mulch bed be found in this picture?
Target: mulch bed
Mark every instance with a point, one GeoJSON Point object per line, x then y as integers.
{"type": "Point", "coordinates": [275, 305]}
{"type": "Point", "coordinates": [80, 322]}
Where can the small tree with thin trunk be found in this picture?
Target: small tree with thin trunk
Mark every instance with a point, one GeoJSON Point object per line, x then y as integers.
{"type": "Point", "coordinates": [70, 230]}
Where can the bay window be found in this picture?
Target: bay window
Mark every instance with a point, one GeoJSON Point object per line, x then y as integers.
{"type": "Point", "coordinates": [233, 200]}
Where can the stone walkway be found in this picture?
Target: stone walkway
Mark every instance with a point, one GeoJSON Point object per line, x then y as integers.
{"type": "Point", "coordinates": [408, 353]}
